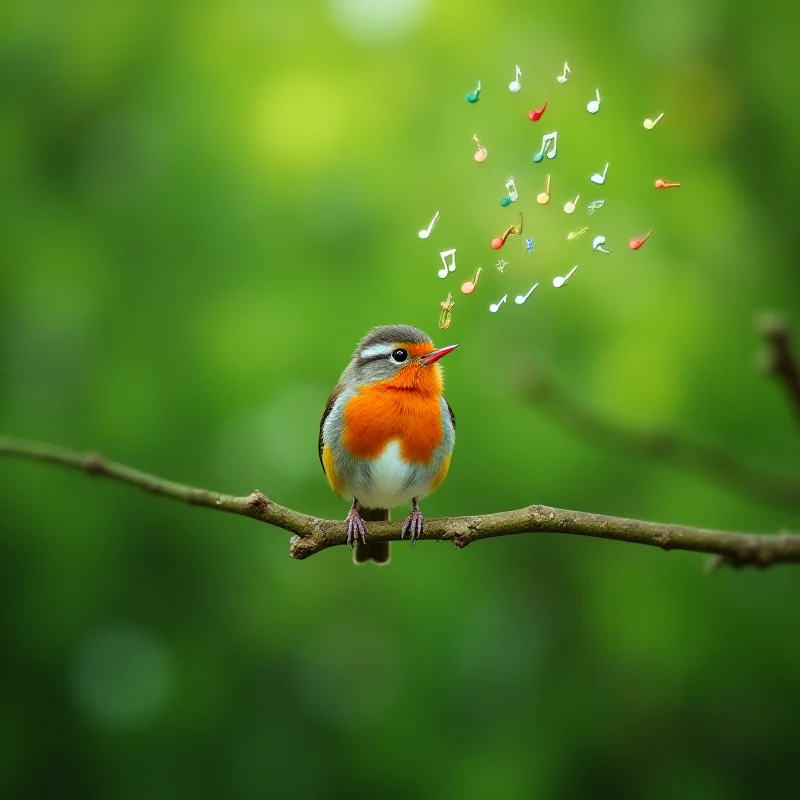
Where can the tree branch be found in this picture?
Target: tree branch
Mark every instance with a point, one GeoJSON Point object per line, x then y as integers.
{"type": "Point", "coordinates": [765, 486]}
{"type": "Point", "coordinates": [311, 534]}
{"type": "Point", "coordinates": [779, 359]}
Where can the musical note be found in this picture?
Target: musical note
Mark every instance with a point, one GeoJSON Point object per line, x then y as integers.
{"type": "Point", "coordinates": [494, 306]}
{"type": "Point", "coordinates": [512, 193]}
{"type": "Point", "coordinates": [649, 124]}
{"type": "Point", "coordinates": [544, 197]}
{"type": "Point", "coordinates": [474, 95]}
{"type": "Point", "coordinates": [593, 106]}
{"type": "Point", "coordinates": [598, 178]}
{"type": "Point", "coordinates": [519, 299]}
{"type": "Point", "coordinates": [635, 244]}
{"type": "Point", "coordinates": [501, 265]}
{"type": "Point", "coordinates": [446, 317]}
{"type": "Point", "coordinates": [468, 287]}
{"type": "Point", "coordinates": [664, 185]}
{"type": "Point", "coordinates": [569, 206]}
{"type": "Point", "coordinates": [594, 205]}
{"type": "Point", "coordinates": [576, 234]}
{"type": "Point", "coordinates": [515, 86]}
{"type": "Point", "coordinates": [451, 267]}
{"type": "Point", "coordinates": [480, 154]}
{"type": "Point", "coordinates": [559, 281]}
{"type": "Point", "coordinates": [529, 245]}
{"type": "Point", "coordinates": [546, 141]}
{"type": "Point", "coordinates": [426, 232]}
{"type": "Point", "coordinates": [536, 115]}
{"type": "Point", "coordinates": [597, 244]}
{"type": "Point", "coordinates": [567, 72]}
{"type": "Point", "coordinates": [514, 230]}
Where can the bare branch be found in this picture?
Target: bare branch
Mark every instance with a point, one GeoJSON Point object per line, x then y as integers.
{"type": "Point", "coordinates": [312, 534]}
{"type": "Point", "coordinates": [779, 359]}
{"type": "Point", "coordinates": [703, 459]}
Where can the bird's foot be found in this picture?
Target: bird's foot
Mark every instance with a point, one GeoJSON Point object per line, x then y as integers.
{"type": "Point", "coordinates": [355, 527]}
{"type": "Point", "coordinates": [414, 524]}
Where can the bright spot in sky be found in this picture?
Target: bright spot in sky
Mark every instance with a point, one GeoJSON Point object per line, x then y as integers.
{"type": "Point", "coordinates": [377, 21]}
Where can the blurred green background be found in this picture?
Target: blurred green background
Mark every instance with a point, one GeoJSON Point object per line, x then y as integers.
{"type": "Point", "coordinates": [203, 206]}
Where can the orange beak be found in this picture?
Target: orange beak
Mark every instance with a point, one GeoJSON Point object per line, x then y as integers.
{"type": "Point", "coordinates": [435, 355]}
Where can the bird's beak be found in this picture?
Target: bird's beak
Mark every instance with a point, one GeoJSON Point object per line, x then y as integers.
{"type": "Point", "coordinates": [434, 356]}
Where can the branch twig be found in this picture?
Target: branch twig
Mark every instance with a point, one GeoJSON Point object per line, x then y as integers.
{"type": "Point", "coordinates": [703, 459]}
{"type": "Point", "coordinates": [312, 534]}
{"type": "Point", "coordinates": [779, 359]}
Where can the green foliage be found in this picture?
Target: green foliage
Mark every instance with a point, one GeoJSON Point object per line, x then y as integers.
{"type": "Point", "coordinates": [204, 206]}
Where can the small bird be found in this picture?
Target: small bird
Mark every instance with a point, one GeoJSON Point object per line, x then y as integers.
{"type": "Point", "coordinates": [387, 432]}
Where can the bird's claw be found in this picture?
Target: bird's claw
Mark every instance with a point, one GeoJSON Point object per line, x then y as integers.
{"type": "Point", "coordinates": [415, 525]}
{"type": "Point", "coordinates": [355, 528]}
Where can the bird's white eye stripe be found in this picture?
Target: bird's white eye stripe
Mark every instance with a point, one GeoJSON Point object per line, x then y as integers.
{"type": "Point", "coordinates": [376, 350]}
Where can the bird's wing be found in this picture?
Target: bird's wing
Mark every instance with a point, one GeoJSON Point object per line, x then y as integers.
{"type": "Point", "coordinates": [452, 415]}
{"type": "Point", "coordinates": [328, 408]}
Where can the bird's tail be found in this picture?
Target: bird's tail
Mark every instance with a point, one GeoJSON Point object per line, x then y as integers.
{"type": "Point", "coordinates": [372, 551]}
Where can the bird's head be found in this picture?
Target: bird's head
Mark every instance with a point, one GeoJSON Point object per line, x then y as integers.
{"type": "Point", "coordinates": [400, 356]}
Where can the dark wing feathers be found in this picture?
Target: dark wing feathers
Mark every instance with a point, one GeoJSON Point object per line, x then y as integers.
{"type": "Point", "coordinates": [328, 408]}
{"type": "Point", "coordinates": [452, 415]}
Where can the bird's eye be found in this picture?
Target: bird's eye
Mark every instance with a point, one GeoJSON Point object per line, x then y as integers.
{"type": "Point", "coordinates": [399, 355]}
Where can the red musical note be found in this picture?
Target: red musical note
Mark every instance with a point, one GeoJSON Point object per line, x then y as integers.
{"type": "Point", "coordinates": [535, 116]}
{"type": "Point", "coordinates": [635, 244]}
{"type": "Point", "coordinates": [514, 230]}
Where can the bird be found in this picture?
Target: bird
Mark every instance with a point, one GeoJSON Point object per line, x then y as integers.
{"type": "Point", "coordinates": [387, 433]}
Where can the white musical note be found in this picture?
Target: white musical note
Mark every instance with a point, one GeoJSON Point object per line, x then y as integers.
{"type": "Point", "coordinates": [451, 267]}
{"type": "Point", "coordinates": [494, 306]}
{"type": "Point", "coordinates": [559, 281]}
{"type": "Point", "coordinates": [598, 178]}
{"type": "Point", "coordinates": [594, 205]}
{"type": "Point", "coordinates": [512, 189]}
{"type": "Point", "coordinates": [597, 244]}
{"type": "Point", "coordinates": [593, 106]}
{"type": "Point", "coordinates": [426, 232]}
{"type": "Point", "coordinates": [649, 124]}
{"type": "Point", "coordinates": [519, 299]}
{"type": "Point", "coordinates": [551, 152]}
{"type": "Point", "coordinates": [515, 86]}
{"type": "Point", "coordinates": [569, 206]}
{"type": "Point", "coordinates": [567, 72]}
{"type": "Point", "coordinates": [575, 234]}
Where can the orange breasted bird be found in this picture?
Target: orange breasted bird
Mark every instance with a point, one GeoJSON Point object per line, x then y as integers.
{"type": "Point", "coordinates": [387, 433]}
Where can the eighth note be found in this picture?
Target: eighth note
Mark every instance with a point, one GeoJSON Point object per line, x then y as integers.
{"type": "Point", "coordinates": [593, 106]}
{"type": "Point", "coordinates": [474, 95]}
{"type": "Point", "coordinates": [664, 185]}
{"type": "Point", "coordinates": [515, 86]}
{"type": "Point", "coordinates": [575, 234]}
{"type": "Point", "coordinates": [559, 281]}
{"type": "Point", "coordinates": [544, 197]}
{"type": "Point", "coordinates": [597, 244]}
{"type": "Point", "coordinates": [599, 179]}
{"type": "Point", "coordinates": [494, 306]}
{"type": "Point", "coordinates": [519, 299]}
{"type": "Point", "coordinates": [514, 230]}
{"type": "Point", "coordinates": [567, 72]}
{"type": "Point", "coordinates": [569, 206]}
{"type": "Point", "coordinates": [635, 244]}
{"type": "Point", "coordinates": [446, 317]}
{"type": "Point", "coordinates": [535, 116]}
{"type": "Point", "coordinates": [547, 139]}
{"type": "Point", "coordinates": [426, 232]}
{"type": "Point", "coordinates": [649, 124]}
{"type": "Point", "coordinates": [512, 193]}
{"type": "Point", "coordinates": [451, 267]}
{"type": "Point", "coordinates": [468, 287]}
{"type": "Point", "coordinates": [480, 153]}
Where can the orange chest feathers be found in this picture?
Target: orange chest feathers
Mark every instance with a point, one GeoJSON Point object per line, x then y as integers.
{"type": "Point", "coordinates": [381, 413]}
